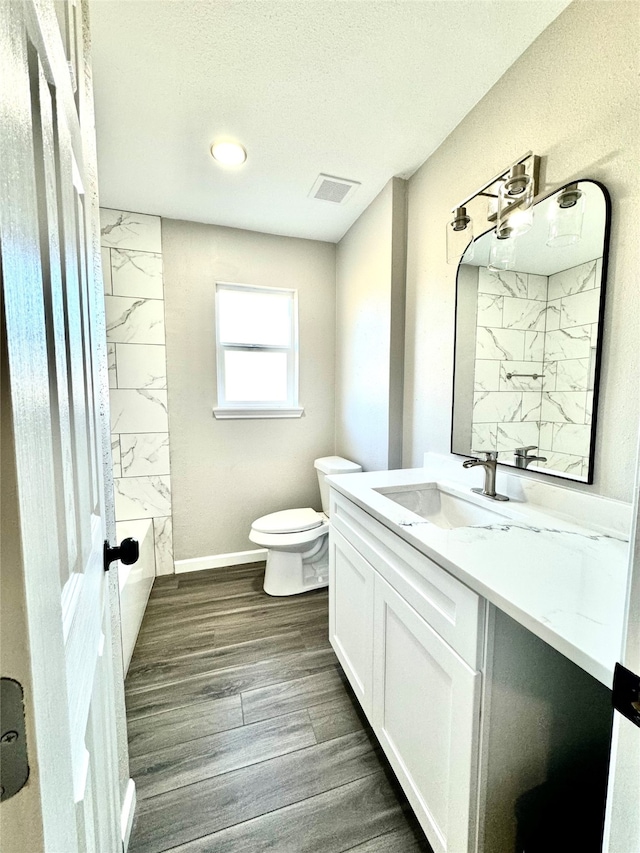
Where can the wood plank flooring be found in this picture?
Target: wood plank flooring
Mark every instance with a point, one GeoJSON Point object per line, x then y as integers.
{"type": "Point", "coordinates": [244, 736]}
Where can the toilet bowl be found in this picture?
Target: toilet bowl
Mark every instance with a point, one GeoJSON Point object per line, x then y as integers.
{"type": "Point", "coordinates": [297, 540]}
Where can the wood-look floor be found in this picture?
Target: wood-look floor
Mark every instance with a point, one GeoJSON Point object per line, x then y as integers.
{"type": "Point", "coordinates": [243, 734]}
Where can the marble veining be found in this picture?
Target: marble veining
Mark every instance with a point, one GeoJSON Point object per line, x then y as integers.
{"type": "Point", "coordinates": [543, 325]}
{"type": "Point", "coordinates": [484, 437]}
{"type": "Point", "coordinates": [487, 375]}
{"type": "Point", "coordinates": [105, 259]}
{"type": "Point", "coordinates": [528, 314]}
{"type": "Point", "coordinates": [533, 346]}
{"type": "Point", "coordinates": [505, 527]}
{"type": "Point", "coordinates": [500, 343]}
{"type": "Point", "coordinates": [123, 229]}
{"type": "Point", "coordinates": [510, 436]}
{"type": "Point", "coordinates": [163, 533]}
{"type": "Point", "coordinates": [565, 406]}
{"type": "Point", "coordinates": [506, 283]}
{"type": "Point", "coordinates": [489, 406]}
{"type": "Point", "coordinates": [537, 287]}
{"type": "Point", "coordinates": [490, 307]}
{"type": "Point", "coordinates": [141, 366]}
{"type": "Point", "coordinates": [531, 564]}
{"type": "Point", "coordinates": [134, 301]}
{"type": "Point", "coordinates": [138, 410]}
{"type": "Point", "coordinates": [137, 274]}
{"type": "Point", "coordinates": [530, 410]}
{"type": "Point", "coordinates": [146, 453]}
{"type": "Point", "coordinates": [132, 320]}
{"type": "Point", "coordinates": [580, 309]}
{"type": "Point", "coordinates": [115, 456]}
{"type": "Point", "coordinates": [142, 497]}
{"type": "Point", "coordinates": [574, 280]}
{"type": "Point", "coordinates": [517, 381]}
{"type": "Point", "coordinates": [111, 365]}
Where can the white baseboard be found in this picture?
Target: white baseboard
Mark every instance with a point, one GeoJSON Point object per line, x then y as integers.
{"type": "Point", "coordinates": [219, 561]}
{"type": "Point", "coordinates": [127, 814]}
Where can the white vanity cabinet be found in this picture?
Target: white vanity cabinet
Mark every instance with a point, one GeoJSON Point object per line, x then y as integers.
{"type": "Point", "coordinates": [496, 726]}
{"type": "Point", "coordinates": [409, 637]}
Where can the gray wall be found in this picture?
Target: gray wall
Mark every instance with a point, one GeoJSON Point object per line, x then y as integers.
{"type": "Point", "coordinates": [370, 317]}
{"type": "Point", "coordinates": [20, 816]}
{"type": "Point", "coordinates": [227, 473]}
{"type": "Point", "coordinates": [573, 98]}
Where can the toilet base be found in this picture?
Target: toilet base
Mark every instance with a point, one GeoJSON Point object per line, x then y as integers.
{"type": "Point", "coordinates": [288, 573]}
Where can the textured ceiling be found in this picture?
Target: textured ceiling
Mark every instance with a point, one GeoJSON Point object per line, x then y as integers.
{"type": "Point", "coordinates": [353, 88]}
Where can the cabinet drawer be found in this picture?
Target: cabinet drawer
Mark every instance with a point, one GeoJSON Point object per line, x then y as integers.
{"type": "Point", "coordinates": [451, 608]}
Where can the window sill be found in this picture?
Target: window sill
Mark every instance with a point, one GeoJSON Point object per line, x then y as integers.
{"type": "Point", "coordinates": [228, 413]}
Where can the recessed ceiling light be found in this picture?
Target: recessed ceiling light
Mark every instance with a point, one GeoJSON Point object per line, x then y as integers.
{"type": "Point", "coordinates": [228, 153]}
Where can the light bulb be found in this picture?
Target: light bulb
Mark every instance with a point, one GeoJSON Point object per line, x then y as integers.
{"type": "Point", "coordinates": [228, 153]}
{"type": "Point", "coordinates": [515, 202]}
{"type": "Point", "coordinates": [459, 236]}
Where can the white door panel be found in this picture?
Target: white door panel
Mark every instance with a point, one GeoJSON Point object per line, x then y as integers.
{"type": "Point", "coordinates": [55, 329]}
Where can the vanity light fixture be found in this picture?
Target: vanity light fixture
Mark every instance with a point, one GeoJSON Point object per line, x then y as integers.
{"type": "Point", "coordinates": [459, 236]}
{"type": "Point", "coordinates": [228, 153]}
{"type": "Point", "coordinates": [515, 201]}
{"type": "Point", "coordinates": [514, 189]}
{"type": "Point", "coordinates": [565, 217]}
{"type": "Point", "coordinates": [502, 255]}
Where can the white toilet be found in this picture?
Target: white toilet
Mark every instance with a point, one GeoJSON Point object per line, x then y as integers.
{"type": "Point", "coordinates": [298, 539]}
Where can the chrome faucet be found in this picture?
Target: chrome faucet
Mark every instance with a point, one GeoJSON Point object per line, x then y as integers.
{"type": "Point", "coordinates": [522, 456]}
{"type": "Point", "coordinates": [489, 464]}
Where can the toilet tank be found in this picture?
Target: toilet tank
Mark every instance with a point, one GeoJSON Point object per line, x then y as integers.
{"type": "Point", "coordinates": [332, 465]}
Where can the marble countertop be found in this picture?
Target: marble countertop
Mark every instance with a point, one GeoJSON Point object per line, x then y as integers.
{"type": "Point", "coordinates": [562, 581]}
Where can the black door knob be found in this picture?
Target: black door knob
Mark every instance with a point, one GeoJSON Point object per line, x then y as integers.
{"type": "Point", "coordinates": [127, 552]}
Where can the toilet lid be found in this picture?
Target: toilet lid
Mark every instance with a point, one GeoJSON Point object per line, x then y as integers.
{"type": "Point", "coordinates": [289, 521]}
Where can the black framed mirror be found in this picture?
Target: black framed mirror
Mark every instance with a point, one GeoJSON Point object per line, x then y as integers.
{"type": "Point", "coordinates": [528, 338]}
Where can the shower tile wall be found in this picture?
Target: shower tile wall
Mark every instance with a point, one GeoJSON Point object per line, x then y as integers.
{"type": "Point", "coordinates": [134, 297]}
{"type": "Point", "coordinates": [534, 324]}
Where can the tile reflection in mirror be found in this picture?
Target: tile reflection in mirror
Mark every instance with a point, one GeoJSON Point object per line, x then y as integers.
{"type": "Point", "coordinates": [528, 343]}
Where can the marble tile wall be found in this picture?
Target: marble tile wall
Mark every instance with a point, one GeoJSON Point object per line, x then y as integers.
{"type": "Point", "coordinates": [571, 336]}
{"type": "Point", "coordinates": [134, 297]}
{"type": "Point", "coordinates": [534, 324]}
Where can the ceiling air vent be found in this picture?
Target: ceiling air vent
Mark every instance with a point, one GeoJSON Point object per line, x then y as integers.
{"type": "Point", "coordinates": [329, 188]}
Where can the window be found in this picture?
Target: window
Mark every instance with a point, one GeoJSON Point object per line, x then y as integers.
{"type": "Point", "coordinates": [257, 352]}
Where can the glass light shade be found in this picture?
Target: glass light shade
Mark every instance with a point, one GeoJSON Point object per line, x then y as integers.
{"type": "Point", "coordinates": [502, 255]}
{"type": "Point", "coordinates": [566, 217]}
{"type": "Point", "coordinates": [459, 236]}
{"type": "Point", "coordinates": [515, 202]}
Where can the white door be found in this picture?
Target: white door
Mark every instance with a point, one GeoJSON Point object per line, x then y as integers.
{"type": "Point", "coordinates": [351, 615]}
{"type": "Point", "coordinates": [622, 828]}
{"type": "Point", "coordinates": [426, 715]}
{"type": "Point", "coordinates": [53, 310]}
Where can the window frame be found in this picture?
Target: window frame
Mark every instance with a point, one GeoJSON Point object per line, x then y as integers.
{"type": "Point", "coordinates": [257, 409]}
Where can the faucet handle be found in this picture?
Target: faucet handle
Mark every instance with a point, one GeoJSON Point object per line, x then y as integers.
{"type": "Point", "coordinates": [490, 455]}
{"type": "Point", "coordinates": [524, 451]}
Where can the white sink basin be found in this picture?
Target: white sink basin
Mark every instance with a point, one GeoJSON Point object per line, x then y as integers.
{"type": "Point", "coordinates": [443, 506]}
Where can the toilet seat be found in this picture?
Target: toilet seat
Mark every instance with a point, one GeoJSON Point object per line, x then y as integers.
{"type": "Point", "coordinates": [291, 540]}
{"type": "Point", "coordinates": [289, 521]}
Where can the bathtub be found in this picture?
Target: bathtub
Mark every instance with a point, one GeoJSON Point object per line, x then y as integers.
{"type": "Point", "coordinates": [135, 582]}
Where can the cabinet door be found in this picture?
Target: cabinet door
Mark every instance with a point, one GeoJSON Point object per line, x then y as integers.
{"type": "Point", "coordinates": [426, 716]}
{"type": "Point", "coordinates": [351, 615]}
